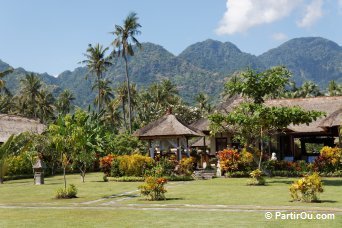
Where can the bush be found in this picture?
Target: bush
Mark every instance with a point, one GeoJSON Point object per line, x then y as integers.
{"type": "Point", "coordinates": [179, 178]}
{"type": "Point", "coordinates": [135, 165]}
{"type": "Point", "coordinates": [237, 174]}
{"type": "Point", "coordinates": [69, 193]}
{"type": "Point", "coordinates": [18, 165]}
{"type": "Point", "coordinates": [186, 166]}
{"type": "Point", "coordinates": [125, 144]}
{"type": "Point", "coordinates": [154, 188]}
{"type": "Point", "coordinates": [307, 188]}
{"type": "Point", "coordinates": [257, 178]}
{"type": "Point", "coordinates": [329, 160]}
{"type": "Point", "coordinates": [106, 164]}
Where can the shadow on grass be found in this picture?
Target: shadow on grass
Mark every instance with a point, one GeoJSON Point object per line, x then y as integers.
{"type": "Point", "coordinates": [271, 181]}
{"type": "Point", "coordinates": [167, 199]}
{"type": "Point", "coordinates": [332, 182]}
{"type": "Point", "coordinates": [121, 196]}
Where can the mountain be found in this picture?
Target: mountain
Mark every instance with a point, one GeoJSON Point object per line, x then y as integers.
{"type": "Point", "coordinates": [202, 67]}
{"type": "Point", "coordinates": [216, 56]}
{"type": "Point", "coordinates": [311, 58]}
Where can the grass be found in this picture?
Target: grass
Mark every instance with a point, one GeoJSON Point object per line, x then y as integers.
{"type": "Point", "coordinates": [36, 206]}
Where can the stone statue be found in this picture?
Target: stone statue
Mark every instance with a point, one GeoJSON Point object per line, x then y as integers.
{"type": "Point", "coordinates": [274, 157]}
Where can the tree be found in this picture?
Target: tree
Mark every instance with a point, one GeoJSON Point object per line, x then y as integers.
{"type": "Point", "coordinates": [334, 89]}
{"type": "Point", "coordinates": [64, 102]}
{"type": "Point", "coordinates": [97, 64]}
{"type": "Point", "coordinates": [252, 121]}
{"type": "Point", "coordinates": [308, 89]}
{"type": "Point", "coordinates": [203, 104]}
{"type": "Point", "coordinates": [30, 92]}
{"type": "Point", "coordinates": [59, 133]}
{"type": "Point", "coordinates": [4, 150]}
{"type": "Point", "coordinates": [121, 96]}
{"type": "Point", "coordinates": [125, 35]}
{"type": "Point", "coordinates": [259, 86]}
{"type": "Point", "coordinates": [45, 106]}
{"type": "Point", "coordinates": [105, 92]}
{"type": "Point", "coordinates": [2, 82]}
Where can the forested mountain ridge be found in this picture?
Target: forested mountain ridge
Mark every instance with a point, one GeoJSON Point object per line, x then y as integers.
{"type": "Point", "coordinates": [202, 67]}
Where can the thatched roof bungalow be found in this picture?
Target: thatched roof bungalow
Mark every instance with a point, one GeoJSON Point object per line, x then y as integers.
{"type": "Point", "coordinates": [14, 125]}
{"type": "Point", "coordinates": [322, 131]}
{"type": "Point", "coordinates": [167, 132]}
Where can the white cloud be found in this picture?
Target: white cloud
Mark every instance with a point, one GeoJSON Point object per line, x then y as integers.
{"type": "Point", "coordinates": [340, 6]}
{"type": "Point", "coordinates": [242, 15]}
{"type": "Point", "coordinates": [313, 12]}
{"type": "Point", "coordinates": [279, 36]}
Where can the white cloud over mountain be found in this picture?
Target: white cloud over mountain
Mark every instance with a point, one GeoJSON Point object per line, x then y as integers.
{"type": "Point", "coordinates": [241, 15]}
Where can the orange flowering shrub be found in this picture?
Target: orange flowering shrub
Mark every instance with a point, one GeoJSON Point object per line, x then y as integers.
{"type": "Point", "coordinates": [186, 166]}
{"type": "Point", "coordinates": [329, 160]}
{"type": "Point", "coordinates": [153, 188]}
{"type": "Point", "coordinates": [106, 164]}
{"type": "Point", "coordinates": [229, 160]}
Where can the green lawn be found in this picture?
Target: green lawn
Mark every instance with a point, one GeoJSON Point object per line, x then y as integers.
{"type": "Point", "coordinates": [189, 204]}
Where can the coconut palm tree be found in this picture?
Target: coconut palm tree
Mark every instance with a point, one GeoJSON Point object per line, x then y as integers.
{"type": "Point", "coordinates": [45, 106]}
{"type": "Point", "coordinates": [121, 95]}
{"type": "Point", "coordinates": [105, 92]}
{"type": "Point", "coordinates": [97, 64]}
{"type": "Point", "coordinates": [202, 101]}
{"type": "Point", "coordinates": [334, 89]}
{"type": "Point", "coordinates": [63, 103]}
{"type": "Point", "coordinates": [30, 92]}
{"type": "Point", "coordinates": [125, 35]}
{"type": "Point", "coordinates": [2, 82]}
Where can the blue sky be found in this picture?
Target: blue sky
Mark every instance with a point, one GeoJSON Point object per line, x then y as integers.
{"type": "Point", "coordinates": [51, 36]}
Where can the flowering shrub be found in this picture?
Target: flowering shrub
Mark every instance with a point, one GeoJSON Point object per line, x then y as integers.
{"type": "Point", "coordinates": [307, 188]}
{"type": "Point", "coordinates": [329, 160]}
{"type": "Point", "coordinates": [106, 164]}
{"type": "Point", "coordinates": [257, 178]}
{"type": "Point", "coordinates": [229, 160]}
{"type": "Point", "coordinates": [186, 166]}
{"type": "Point", "coordinates": [153, 188]}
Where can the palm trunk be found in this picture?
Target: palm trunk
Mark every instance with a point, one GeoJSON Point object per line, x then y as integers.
{"type": "Point", "coordinates": [261, 148]}
{"type": "Point", "coordinates": [64, 168]}
{"type": "Point", "coordinates": [129, 96]}
{"type": "Point", "coordinates": [99, 92]}
{"type": "Point", "coordinates": [124, 112]}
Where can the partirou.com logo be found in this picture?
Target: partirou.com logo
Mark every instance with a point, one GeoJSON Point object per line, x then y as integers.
{"type": "Point", "coordinates": [281, 215]}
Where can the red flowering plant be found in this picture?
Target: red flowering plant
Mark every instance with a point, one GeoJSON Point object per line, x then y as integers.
{"type": "Point", "coordinates": [229, 160]}
{"type": "Point", "coordinates": [106, 164]}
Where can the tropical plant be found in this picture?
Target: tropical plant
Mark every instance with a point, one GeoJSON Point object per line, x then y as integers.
{"type": "Point", "coordinates": [125, 35]}
{"type": "Point", "coordinates": [97, 63]}
{"type": "Point", "coordinates": [256, 178]}
{"type": "Point", "coordinates": [4, 150]}
{"type": "Point", "coordinates": [154, 188]}
{"type": "Point", "coordinates": [2, 82]}
{"type": "Point", "coordinates": [64, 102]}
{"type": "Point", "coordinates": [30, 93]}
{"type": "Point", "coordinates": [307, 188]}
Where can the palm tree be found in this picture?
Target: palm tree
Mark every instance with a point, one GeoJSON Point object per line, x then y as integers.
{"type": "Point", "coordinates": [121, 95]}
{"type": "Point", "coordinates": [112, 114]}
{"type": "Point", "coordinates": [202, 101]}
{"type": "Point", "coordinates": [97, 64]}
{"type": "Point", "coordinates": [124, 36]}
{"type": "Point", "coordinates": [308, 89]}
{"type": "Point", "coordinates": [105, 92]}
{"type": "Point", "coordinates": [63, 103]}
{"type": "Point", "coordinates": [30, 92]}
{"type": "Point", "coordinates": [45, 106]}
{"type": "Point", "coordinates": [334, 89]}
{"type": "Point", "coordinates": [2, 82]}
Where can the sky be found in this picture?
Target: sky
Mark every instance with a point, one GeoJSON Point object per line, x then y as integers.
{"type": "Point", "coordinates": [52, 36]}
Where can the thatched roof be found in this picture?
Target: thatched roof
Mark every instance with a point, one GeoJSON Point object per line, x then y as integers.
{"type": "Point", "coordinates": [332, 106]}
{"type": "Point", "coordinates": [201, 124]}
{"type": "Point", "coordinates": [329, 105]}
{"type": "Point", "coordinates": [11, 124]}
{"type": "Point", "coordinates": [166, 126]}
{"type": "Point", "coordinates": [334, 119]}
{"type": "Point", "coordinates": [200, 143]}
